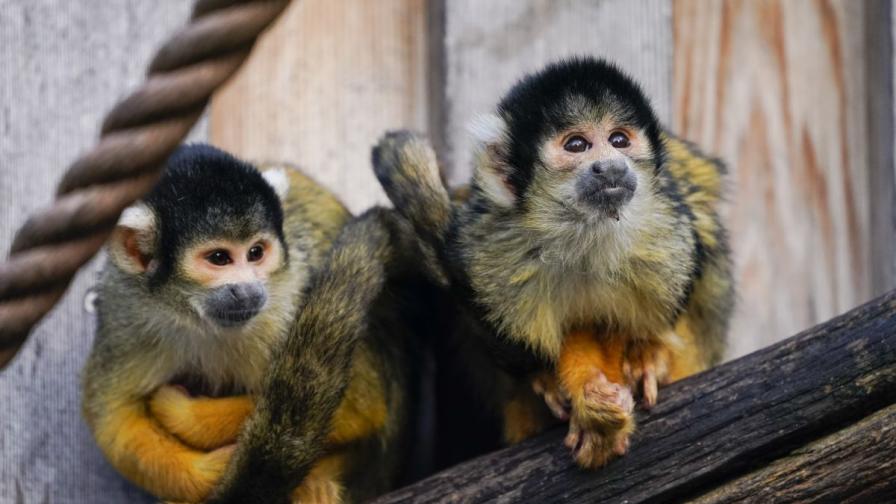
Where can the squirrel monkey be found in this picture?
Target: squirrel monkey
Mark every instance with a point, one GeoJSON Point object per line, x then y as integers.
{"type": "Point", "coordinates": [590, 258]}
{"type": "Point", "coordinates": [200, 326]}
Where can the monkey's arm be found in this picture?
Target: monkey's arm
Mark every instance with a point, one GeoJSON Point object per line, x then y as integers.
{"type": "Point", "coordinates": [285, 436]}
{"type": "Point", "coordinates": [209, 423]}
{"type": "Point", "coordinates": [601, 419]}
{"type": "Point", "coordinates": [201, 422]}
{"type": "Point", "coordinates": [144, 452]}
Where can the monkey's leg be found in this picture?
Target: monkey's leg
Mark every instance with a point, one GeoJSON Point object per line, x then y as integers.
{"type": "Point", "coordinates": [524, 414]}
{"type": "Point", "coordinates": [201, 422]}
{"type": "Point", "coordinates": [601, 419]}
{"type": "Point", "coordinates": [142, 451]}
{"type": "Point", "coordinates": [322, 485]}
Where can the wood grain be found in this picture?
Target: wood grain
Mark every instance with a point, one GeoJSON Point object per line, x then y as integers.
{"type": "Point", "coordinates": [881, 142]}
{"type": "Point", "coordinates": [854, 465]}
{"type": "Point", "coordinates": [323, 85]}
{"type": "Point", "coordinates": [778, 89]}
{"type": "Point", "coordinates": [716, 426]}
{"type": "Point", "coordinates": [63, 64]}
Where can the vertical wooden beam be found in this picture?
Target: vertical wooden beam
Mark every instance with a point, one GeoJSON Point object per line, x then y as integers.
{"type": "Point", "coordinates": [881, 137]}
{"type": "Point", "coordinates": [323, 85]}
{"type": "Point", "coordinates": [489, 45]}
{"type": "Point", "coordinates": [778, 89]}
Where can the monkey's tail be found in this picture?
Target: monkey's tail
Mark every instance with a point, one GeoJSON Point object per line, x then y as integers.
{"type": "Point", "coordinates": [406, 167]}
{"type": "Point", "coordinates": [285, 435]}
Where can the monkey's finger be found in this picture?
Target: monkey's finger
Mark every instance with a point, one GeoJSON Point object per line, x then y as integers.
{"type": "Point", "coordinates": [621, 445]}
{"type": "Point", "coordinates": [574, 436]}
{"type": "Point", "coordinates": [650, 386]}
{"type": "Point", "coordinates": [557, 407]}
{"type": "Point", "coordinates": [584, 452]}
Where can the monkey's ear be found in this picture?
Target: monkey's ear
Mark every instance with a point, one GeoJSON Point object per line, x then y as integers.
{"type": "Point", "coordinates": [278, 179]}
{"type": "Point", "coordinates": [492, 170]}
{"type": "Point", "coordinates": [133, 240]}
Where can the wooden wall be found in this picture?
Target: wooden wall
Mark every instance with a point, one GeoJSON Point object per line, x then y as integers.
{"type": "Point", "coordinates": [323, 85]}
{"type": "Point", "coordinates": [782, 90]}
{"type": "Point", "coordinates": [777, 88]}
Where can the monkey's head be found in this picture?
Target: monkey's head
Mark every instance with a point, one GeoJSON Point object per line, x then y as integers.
{"type": "Point", "coordinates": [208, 240]}
{"type": "Point", "coordinates": [576, 143]}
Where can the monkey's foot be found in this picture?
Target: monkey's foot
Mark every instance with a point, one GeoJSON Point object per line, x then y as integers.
{"type": "Point", "coordinates": [645, 367]}
{"type": "Point", "coordinates": [601, 422]}
{"type": "Point", "coordinates": [317, 490]}
{"type": "Point", "coordinates": [548, 387]}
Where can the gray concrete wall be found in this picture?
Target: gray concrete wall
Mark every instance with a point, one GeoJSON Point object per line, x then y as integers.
{"type": "Point", "coordinates": [63, 63]}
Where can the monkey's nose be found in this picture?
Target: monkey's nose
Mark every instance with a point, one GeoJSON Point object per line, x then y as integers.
{"type": "Point", "coordinates": [250, 295]}
{"type": "Point", "coordinates": [610, 170]}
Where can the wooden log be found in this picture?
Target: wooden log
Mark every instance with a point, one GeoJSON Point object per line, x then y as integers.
{"type": "Point", "coordinates": [852, 465]}
{"type": "Point", "coordinates": [710, 428]}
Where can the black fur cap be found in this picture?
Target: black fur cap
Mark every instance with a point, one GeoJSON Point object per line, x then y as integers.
{"type": "Point", "coordinates": [206, 193]}
{"type": "Point", "coordinates": [534, 108]}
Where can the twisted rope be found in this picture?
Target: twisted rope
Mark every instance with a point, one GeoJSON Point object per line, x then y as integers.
{"type": "Point", "coordinates": [137, 136]}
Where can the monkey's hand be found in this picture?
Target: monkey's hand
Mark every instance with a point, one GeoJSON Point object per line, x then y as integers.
{"type": "Point", "coordinates": [201, 422]}
{"type": "Point", "coordinates": [601, 421]}
{"type": "Point", "coordinates": [601, 418]}
{"type": "Point", "coordinates": [645, 366]}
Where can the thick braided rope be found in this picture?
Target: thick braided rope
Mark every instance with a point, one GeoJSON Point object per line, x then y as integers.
{"type": "Point", "coordinates": [137, 137]}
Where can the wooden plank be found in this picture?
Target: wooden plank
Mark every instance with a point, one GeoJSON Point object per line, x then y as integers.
{"type": "Point", "coordinates": [855, 465]}
{"type": "Point", "coordinates": [882, 138]}
{"type": "Point", "coordinates": [489, 45]}
{"type": "Point", "coordinates": [63, 65]}
{"type": "Point", "coordinates": [708, 428]}
{"type": "Point", "coordinates": [323, 85]}
{"type": "Point", "coordinates": [777, 88]}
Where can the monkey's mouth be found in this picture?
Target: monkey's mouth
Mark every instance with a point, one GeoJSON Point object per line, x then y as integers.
{"type": "Point", "coordinates": [608, 199]}
{"type": "Point", "coordinates": [233, 318]}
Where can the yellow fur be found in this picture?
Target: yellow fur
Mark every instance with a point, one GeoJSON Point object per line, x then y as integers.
{"type": "Point", "coordinates": [202, 422]}
{"type": "Point", "coordinates": [152, 458]}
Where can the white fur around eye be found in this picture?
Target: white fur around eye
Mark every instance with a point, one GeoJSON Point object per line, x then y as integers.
{"type": "Point", "coordinates": [138, 217]}
{"type": "Point", "coordinates": [278, 180]}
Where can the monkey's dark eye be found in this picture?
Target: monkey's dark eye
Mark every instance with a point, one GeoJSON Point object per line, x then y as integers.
{"type": "Point", "coordinates": [576, 144]}
{"type": "Point", "coordinates": [619, 140]}
{"type": "Point", "coordinates": [255, 253]}
{"type": "Point", "coordinates": [219, 258]}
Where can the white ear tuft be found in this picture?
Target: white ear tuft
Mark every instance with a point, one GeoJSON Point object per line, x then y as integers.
{"type": "Point", "coordinates": [137, 217]}
{"type": "Point", "coordinates": [488, 129]}
{"type": "Point", "coordinates": [278, 180]}
{"type": "Point", "coordinates": [490, 134]}
{"type": "Point", "coordinates": [132, 242]}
